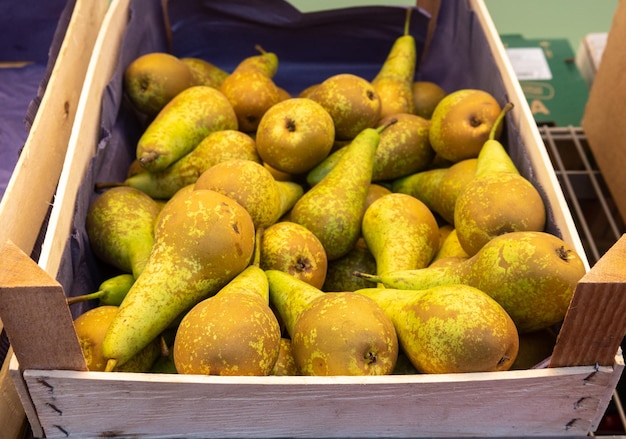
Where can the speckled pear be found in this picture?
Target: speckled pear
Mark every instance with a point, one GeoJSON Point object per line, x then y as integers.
{"type": "Point", "coordinates": [181, 125]}
{"type": "Point", "coordinates": [450, 328]}
{"type": "Point", "coordinates": [203, 239]}
{"type": "Point", "coordinates": [532, 275]}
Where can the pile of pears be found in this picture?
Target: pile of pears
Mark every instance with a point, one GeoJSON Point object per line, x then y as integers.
{"type": "Point", "coordinates": [365, 226]}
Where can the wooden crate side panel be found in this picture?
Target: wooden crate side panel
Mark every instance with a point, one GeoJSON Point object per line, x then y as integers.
{"type": "Point", "coordinates": [558, 402]}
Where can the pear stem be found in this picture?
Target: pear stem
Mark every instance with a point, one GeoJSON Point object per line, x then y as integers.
{"type": "Point", "coordinates": [366, 276]}
{"type": "Point", "coordinates": [111, 363]}
{"type": "Point", "coordinates": [508, 107]}
{"type": "Point", "coordinates": [382, 128]}
{"type": "Point", "coordinates": [84, 297]}
{"type": "Point", "coordinates": [260, 49]}
{"type": "Point", "coordinates": [407, 22]}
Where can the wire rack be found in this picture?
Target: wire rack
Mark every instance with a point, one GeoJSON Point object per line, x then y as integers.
{"type": "Point", "coordinates": [597, 220]}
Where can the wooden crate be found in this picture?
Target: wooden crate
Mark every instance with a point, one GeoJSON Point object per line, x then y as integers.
{"type": "Point", "coordinates": [62, 400]}
{"type": "Point", "coordinates": [33, 181]}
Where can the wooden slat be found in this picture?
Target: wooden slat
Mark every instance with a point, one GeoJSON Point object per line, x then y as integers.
{"type": "Point", "coordinates": [595, 323]}
{"type": "Point", "coordinates": [36, 316]}
{"type": "Point", "coordinates": [542, 402]}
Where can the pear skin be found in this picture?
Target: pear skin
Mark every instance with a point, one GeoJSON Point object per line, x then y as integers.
{"type": "Point", "coordinates": [339, 273]}
{"type": "Point", "coordinates": [351, 101]}
{"type": "Point", "coordinates": [120, 228]}
{"type": "Point", "coordinates": [91, 328]}
{"type": "Point", "coordinates": [497, 200]}
{"type": "Point", "coordinates": [426, 96]}
{"type": "Point", "coordinates": [252, 186]}
{"type": "Point", "coordinates": [450, 248]}
{"type": "Point", "coordinates": [450, 328]}
{"type": "Point", "coordinates": [204, 72]}
{"type": "Point", "coordinates": [401, 232]}
{"type": "Point", "coordinates": [404, 147]}
{"type": "Point", "coordinates": [203, 239]}
{"type": "Point", "coordinates": [333, 333]}
{"type": "Point", "coordinates": [438, 188]}
{"type": "Point", "coordinates": [251, 90]}
{"type": "Point", "coordinates": [532, 275]}
{"type": "Point", "coordinates": [182, 124]}
{"type": "Point", "coordinates": [215, 148]}
{"type": "Point", "coordinates": [333, 208]}
{"type": "Point", "coordinates": [394, 81]}
{"type": "Point", "coordinates": [153, 79]}
{"type": "Point", "coordinates": [285, 364]}
{"type": "Point", "coordinates": [233, 332]}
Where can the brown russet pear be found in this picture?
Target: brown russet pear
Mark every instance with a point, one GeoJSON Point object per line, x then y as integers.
{"type": "Point", "coordinates": [497, 200]}
{"type": "Point", "coordinates": [252, 186]}
{"type": "Point", "coordinates": [202, 240]}
{"type": "Point", "coordinates": [334, 207]}
{"type": "Point", "coordinates": [215, 148]}
{"type": "Point", "coordinates": [91, 328]}
{"type": "Point", "coordinates": [120, 228]}
{"type": "Point", "coordinates": [531, 274]}
{"type": "Point", "coordinates": [426, 96]}
{"type": "Point", "coordinates": [294, 249]}
{"type": "Point", "coordinates": [181, 125]}
{"type": "Point", "coordinates": [153, 79]}
{"type": "Point", "coordinates": [394, 82]}
{"type": "Point", "coordinates": [340, 333]}
{"type": "Point", "coordinates": [295, 135]}
{"type": "Point", "coordinates": [438, 188]}
{"type": "Point", "coordinates": [204, 72]}
{"type": "Point", "coordinates": [374, 192]}
{"type": "Point", "coordinates": [401, 232]}
{"type": "Point", "coordinates": [450, 328]}
{"type": "Point", "coordinates": [251, 90]}
{"type": "Point", "coordinates": [110, 292]}
{"type": "Point", "coordinates": [351, 101]}
{"type": "Point", "coordinates": [234, 332]}
{"type": "Point", "coordinates": [461, 123]}
{"type": "Point", "coordinates": [404, 147]}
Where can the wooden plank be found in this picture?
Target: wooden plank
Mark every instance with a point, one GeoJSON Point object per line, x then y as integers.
{"type": "Point", "coordinates": [36, 316]}
{"type": "Point", "coordinates": [595, 323]}
{"type": "Point", "coordinates": [84, 135]}
{"type": "Point", "coordinates": [555, 402]}
{"type": "Point", "coordinates": [12, 421]}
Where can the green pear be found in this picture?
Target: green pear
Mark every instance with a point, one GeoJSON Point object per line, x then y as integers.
{"type": "Point", "coordinates": [204, 72]}
{"type": "Point", "coordinates": [251, 90]}
{"type": "Point", "coordinates": [181, 125]}
{"type": "Point", "coordinates": [404, 147]}
{"type": "Point", "coordinates": [333, 208]}
{"type": "Point", "coordinates": [339, 333]}
{"type": "Point", "coordinates": [438, 188]}
{"type": "Point", "coordinates": [295, 135]}
{"type": "Point", "coordinates": [450, 328]}
{"type": "Point", "coordinates": [120, 228]}
{"type": "Point", "coordinates": [339, 273]}
{"type": "Point", "coordinates": [110, 292]}
{"type": "Point", "coordinates": [321, 170]}
{"type": "Point", "coordinates": [294, 249]}
{"type": "Point", "coordinates": [497, 200]}
{"type": "Point", "coordinates": [202, 240]}
{"type": "Point", "coordinates": [461, 122]}
{"type": "Point", "coordinates": [234, 332]}
{"type": "Point", "coordinates": [153, 79]}
{"type": "Point", "coordinates": [426, 96]}
{"type": "Point", "coordinates": [351, 101]}
{"type": "Point", "coordinates": [532, 275]}
{"type": "Point", "coordinates": [217, 147]}
{"type": "Point", "coordinates": [394, 82]}
{"type": "Point", "coordinates": [450, 248]}
{"type": "Point", "coordinates": [252, 186]}
{"type": "Point", "coordinates": [91, 328]}
{"type": "Point", "coordinates": [401, 232]}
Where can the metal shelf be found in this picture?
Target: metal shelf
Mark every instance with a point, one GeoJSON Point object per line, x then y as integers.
{"type": "Point", "coordinates": [597, 219]}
